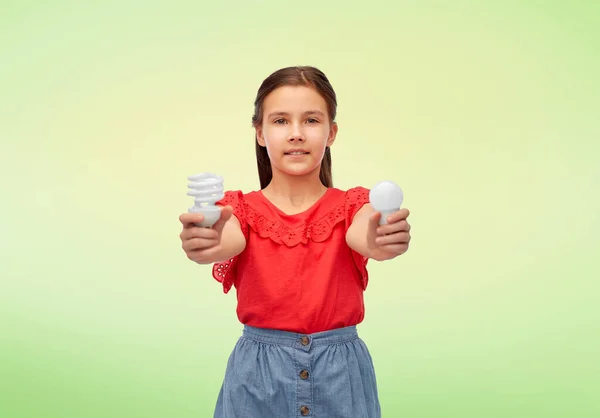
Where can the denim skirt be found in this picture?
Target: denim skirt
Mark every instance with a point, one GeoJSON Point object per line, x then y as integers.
{"type": "Point", "coordinates": [280, 374]}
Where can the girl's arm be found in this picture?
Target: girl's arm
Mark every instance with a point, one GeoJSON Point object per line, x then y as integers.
{"type": "Point", "coordinates": [232, 242]}
{"type": "Point", "coordinates": [379, 242]}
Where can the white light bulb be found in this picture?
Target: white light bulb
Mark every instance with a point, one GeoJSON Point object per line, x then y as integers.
{"type": "Point", "coordinates": [206, 188]}
{"type": "Point", "coordinates": [386, 197]}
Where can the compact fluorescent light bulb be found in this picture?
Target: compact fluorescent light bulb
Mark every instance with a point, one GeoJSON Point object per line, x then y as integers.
{"type": "Point", "coordinates": [206, 188]}
{"type": "Point", "coordinates": [386, 197]}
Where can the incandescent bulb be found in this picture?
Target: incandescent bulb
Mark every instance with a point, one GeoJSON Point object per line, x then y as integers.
{"type": "Point", "coordinates": [386, 197]}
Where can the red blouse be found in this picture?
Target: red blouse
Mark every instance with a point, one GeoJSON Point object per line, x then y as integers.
{"type": "Point", "coordinates": [296, 273]}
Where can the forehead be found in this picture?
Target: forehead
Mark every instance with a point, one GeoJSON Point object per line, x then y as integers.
{"type": "Point", "coordinates": [290, 98]}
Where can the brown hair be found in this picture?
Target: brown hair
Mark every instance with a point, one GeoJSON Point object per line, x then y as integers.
{"type": "Point", "coordinates": [293, 76]}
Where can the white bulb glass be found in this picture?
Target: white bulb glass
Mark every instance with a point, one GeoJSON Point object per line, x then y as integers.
{"type": "Point", "coordinates": [386, 197]}
{"type": "Point", "coordinates": [206, 188]}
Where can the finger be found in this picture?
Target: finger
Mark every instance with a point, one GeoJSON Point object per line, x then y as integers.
{"type": "Point", "coordinates": [198, 232]}
{"type": "Point", "coordinates": [395, 248]}
{"type": "Point", "coordinates": [374, 220]}
{"type": "Point", "coordinates": [189, 220]}
{"type": "Point", "coordinates": [372, 228]}
{"type": "Point", "coordinates": [226, 213]}
{"type": "Point", "coordinates": [196, 244]}
{"type": "Point", "coordinates": [393, 227]}
{"type": "Point", "coordinates": [396, 238]}
{"type": "Point", "coordinates": [398, 216]}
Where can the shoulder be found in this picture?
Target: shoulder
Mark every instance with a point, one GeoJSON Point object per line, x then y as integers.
{"type": "Point", "coordinates": [357, 193]}
{"type": "Point", "coordinates": [350, 201]}
{"type": "Point", "coordinates": [356, 200]}
{"type": "Point", "coordinates": [237, 197]}
{"type": "Point", "coordinates": [230, 196]}
{"type": "Point", "coordinates": [353, 194]}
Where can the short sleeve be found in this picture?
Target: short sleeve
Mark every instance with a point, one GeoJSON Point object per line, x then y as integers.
{"type": "Point", "coordinates": [356, 198]}
{"type": "Point", "coordinates": [225, 271]}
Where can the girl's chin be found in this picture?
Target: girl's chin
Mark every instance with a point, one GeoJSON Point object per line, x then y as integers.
{"type": "Point", "coordinates": [298, 169]}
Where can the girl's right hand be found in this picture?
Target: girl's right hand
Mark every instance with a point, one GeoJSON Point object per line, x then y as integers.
{"type": "Point", "coordinates": [199, 243]}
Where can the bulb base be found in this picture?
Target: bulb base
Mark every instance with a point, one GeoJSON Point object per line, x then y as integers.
{"type": "Point", "coordinates": [385, 214]}
{"type": "Point", "coordinates": [211, 215]}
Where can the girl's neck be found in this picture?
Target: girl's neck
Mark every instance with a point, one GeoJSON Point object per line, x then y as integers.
{"type": "Point", "coordinates": [297, 191]}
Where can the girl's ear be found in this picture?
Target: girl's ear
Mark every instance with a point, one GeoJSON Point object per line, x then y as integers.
{"type": "Point", "coordinates": [259, 137]}
{"type": "Point", "coordinates": [332, 134]}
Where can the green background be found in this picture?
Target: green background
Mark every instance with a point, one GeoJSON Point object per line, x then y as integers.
{"type": "Point", "coordinates": [485, 114]}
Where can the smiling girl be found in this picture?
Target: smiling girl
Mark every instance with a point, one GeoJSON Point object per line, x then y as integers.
{"type": "Point", "coordinates": [296, 252]}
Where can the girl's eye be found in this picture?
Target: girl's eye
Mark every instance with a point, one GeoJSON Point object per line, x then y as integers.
{"type": "Point", "coordinates": [279, 121]}
{"type": "Point", "coordinates": [312, 120]}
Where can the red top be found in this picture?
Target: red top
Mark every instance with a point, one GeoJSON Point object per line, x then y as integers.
{"type": "Point", "coordinates": [297, 273]}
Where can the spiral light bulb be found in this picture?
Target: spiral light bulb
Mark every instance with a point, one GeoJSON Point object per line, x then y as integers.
{"type": "Point", "coordinates": [206, 188]}
{"type": "Point", "coordinates": [386, 197]}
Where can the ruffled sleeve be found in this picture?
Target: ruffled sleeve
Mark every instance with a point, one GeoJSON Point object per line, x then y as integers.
{"type": "Point", "coordinates": [355, 200]}
{"type": "Point", "coordinates": [225, 271]}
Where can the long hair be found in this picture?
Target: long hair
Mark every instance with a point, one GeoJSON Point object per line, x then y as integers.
{"type": "Point", "coordinates": [293, 76]}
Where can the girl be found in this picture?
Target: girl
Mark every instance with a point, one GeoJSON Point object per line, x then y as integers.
{"type": "Point", "coordinates": [296, 252]}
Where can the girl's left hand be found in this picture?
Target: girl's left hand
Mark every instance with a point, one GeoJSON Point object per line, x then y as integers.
{"type": "Point", "coordinates": [392, 239]}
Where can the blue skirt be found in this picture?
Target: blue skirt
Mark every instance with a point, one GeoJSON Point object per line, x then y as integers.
{"type": "Point", "coordinates": [280, 374]}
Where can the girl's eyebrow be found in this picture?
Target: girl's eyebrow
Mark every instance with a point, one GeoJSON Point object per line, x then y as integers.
{"type": "Point", "coordinates": [308, 112]}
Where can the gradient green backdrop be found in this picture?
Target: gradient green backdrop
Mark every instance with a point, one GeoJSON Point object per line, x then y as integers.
{"type": "Point", "coordinates": [486, 115]}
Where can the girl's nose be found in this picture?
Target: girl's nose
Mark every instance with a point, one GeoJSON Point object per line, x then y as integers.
{"type": "Point", "coordinates": [296, 134]}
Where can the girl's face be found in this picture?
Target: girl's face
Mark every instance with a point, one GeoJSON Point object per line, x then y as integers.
{"type": "Point", "coordinates": [295, 130]}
